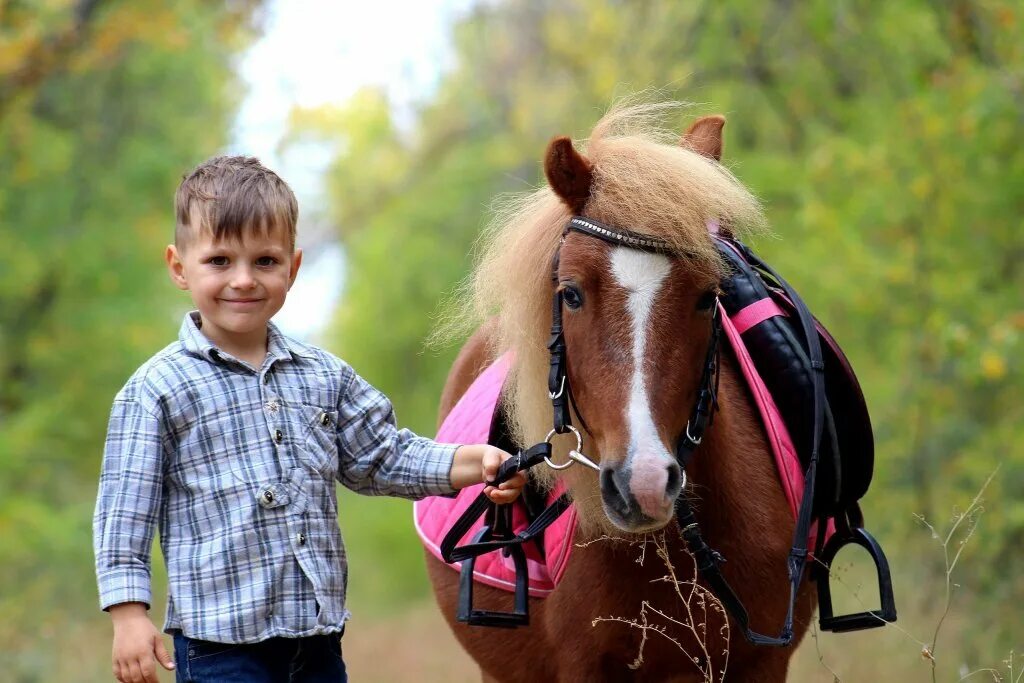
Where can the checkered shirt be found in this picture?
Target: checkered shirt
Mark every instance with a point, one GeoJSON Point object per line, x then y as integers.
{"type": "Point", "coordinates": [236, 466]}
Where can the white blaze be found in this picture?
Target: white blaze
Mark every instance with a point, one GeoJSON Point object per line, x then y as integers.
{"type": "Point", "coordinates": [641, 274]}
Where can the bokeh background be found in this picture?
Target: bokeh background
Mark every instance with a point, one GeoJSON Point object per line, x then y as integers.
{"type": "Point", "coordinates": [885, 139]}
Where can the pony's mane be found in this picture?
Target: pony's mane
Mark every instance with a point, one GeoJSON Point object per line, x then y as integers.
{"type": "Point", "coordinates": [643, 181]}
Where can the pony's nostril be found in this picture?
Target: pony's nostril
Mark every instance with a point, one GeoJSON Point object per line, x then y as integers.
{"type": "Point", "coordinates": [608, 483]}
{"type": "Point", "coordinates": [615, 484]}
{"type": "Point", "coordinates": [615, 493]}
{"type": "Point", "coordinates": [675, 476]}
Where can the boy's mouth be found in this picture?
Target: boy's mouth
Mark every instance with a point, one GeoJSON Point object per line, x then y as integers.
{"type": "Point", "coordinates": [240, 302]}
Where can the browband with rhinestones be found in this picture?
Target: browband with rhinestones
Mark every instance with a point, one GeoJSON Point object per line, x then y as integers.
{"type": "Point", "coordinates": [619, 236]}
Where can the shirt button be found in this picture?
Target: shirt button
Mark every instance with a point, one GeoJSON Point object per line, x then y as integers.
{"type": "Point", "coordinates": [268, 496]}
{"type": "Point", "coordinates": [278, 436]}
{"type": "Point", "coordinates": [302, 539]}
{"type": "Point", "coordinates": [325, 419]}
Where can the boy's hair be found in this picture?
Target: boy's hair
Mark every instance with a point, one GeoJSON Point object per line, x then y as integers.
{"type": "Point", "coordinates": [230, 195]}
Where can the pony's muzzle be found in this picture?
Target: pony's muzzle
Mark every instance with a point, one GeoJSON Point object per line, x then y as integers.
{"type": "Point", "coordinates": [640, 496]}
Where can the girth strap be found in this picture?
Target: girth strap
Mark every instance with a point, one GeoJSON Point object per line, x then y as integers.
{"type": "Point", "coordinates": [708, 560]}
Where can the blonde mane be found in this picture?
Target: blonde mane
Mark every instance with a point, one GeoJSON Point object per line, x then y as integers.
{"type": "Point", "coordinates": [643, 181]}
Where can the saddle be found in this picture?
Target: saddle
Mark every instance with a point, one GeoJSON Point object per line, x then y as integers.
{"type": "Point", "coordinates": [788, 346]}
{"type": "Point", "coordinates": [766, 319]}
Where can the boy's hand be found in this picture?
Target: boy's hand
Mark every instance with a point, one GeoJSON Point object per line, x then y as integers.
{"type": "Point", "coordinates": [137, 645]}
{"type": "Point", "coordinates": [479, 463]}
{"type": "Point", "coordinates": [508, 491]}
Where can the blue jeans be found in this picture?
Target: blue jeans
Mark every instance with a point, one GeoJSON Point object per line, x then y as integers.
{"type": "Point", "coordinates": [316, 659]}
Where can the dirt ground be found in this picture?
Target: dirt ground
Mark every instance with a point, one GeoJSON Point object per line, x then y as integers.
{"type": "Point", "coordinates": [417, 645]}
{"type": "Point", "coordinates": [414, 644]}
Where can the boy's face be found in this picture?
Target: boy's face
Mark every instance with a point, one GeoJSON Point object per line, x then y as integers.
{"type": "Point", "coordinates": [237, 285]}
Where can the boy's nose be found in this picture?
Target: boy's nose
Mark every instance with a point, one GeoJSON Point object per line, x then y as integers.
{"type": "Point", "coordinates": [243, 279]}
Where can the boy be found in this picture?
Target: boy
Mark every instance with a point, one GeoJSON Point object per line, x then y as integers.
{"type": "Point", "coordinates": [230, 441]}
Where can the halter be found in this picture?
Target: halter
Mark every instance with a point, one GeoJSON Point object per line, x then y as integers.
{"type": "Point", "coordinates": [559, 387]}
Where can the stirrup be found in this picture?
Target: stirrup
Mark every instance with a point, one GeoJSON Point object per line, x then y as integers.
{"type": "Point", "coordinates": [846, 534]}
{"type": "Point", "coordinates": [520, 616]}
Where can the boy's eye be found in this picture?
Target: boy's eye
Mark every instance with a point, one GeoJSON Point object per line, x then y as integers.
{"type": "Point", "coordinates": [266, 261]}
{"type": "Point", "coordinates": [218, 260]}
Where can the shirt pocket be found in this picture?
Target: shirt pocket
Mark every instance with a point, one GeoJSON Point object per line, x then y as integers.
{"type": "Point", "coordinates": [320, 438]}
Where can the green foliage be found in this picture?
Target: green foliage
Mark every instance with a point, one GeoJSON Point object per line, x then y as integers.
{"type": "Point", "coordinates": [94, 136]}
{"type": "Point", "coordinates": [885, 140]}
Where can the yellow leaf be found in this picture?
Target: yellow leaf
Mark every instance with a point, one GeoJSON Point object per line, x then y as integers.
{"type": "Point", "coordinates": [993, 366]}
{"type": "Point", "coordinates": [921, 186]}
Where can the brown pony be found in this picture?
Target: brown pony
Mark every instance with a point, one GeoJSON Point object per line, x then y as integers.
{"type": "Point", "coordinates": [637, 328]}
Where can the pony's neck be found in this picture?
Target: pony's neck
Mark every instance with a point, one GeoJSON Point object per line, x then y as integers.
{"type": "Point", "coordinates": [735, 487]}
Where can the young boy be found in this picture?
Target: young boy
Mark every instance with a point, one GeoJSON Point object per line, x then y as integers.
{"type": "Point", "coordinates": [230, 440]}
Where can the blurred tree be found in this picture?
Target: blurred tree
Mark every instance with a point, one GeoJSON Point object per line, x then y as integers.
{"type": "Point", "coordinates": [103, 105]}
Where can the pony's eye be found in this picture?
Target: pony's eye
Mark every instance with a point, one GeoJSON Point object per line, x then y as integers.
{"type": "Point", "coordinates": [707, 300]}
{"type": "Point", "coordinates": [572, 297]}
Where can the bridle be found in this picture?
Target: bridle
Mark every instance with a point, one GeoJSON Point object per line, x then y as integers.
{"type": "Point", "coordinates": [559, 386]}
{"type": "Point", "coordinates": [496, 533]}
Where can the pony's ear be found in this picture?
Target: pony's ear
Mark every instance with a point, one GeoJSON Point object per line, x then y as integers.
{"type": "Point", "coordinates": [569, 173]}
{"type": "Point", "coordinates": [704, 136]}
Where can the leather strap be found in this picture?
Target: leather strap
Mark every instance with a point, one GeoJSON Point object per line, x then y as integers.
{"type": "Point", "coordinates": [558, 379]}
{"type": "Point", "coordinates": [523, 461]}
{"type": "Point", "coordinates": [542, 522]}
{"type": "Point", "coordinates": [708, 560]}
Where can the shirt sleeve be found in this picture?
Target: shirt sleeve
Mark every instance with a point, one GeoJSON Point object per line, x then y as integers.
{"type": "Point", "coordinates": [377, 458]}
{"type": "Point", "coordinates": [128, 503]}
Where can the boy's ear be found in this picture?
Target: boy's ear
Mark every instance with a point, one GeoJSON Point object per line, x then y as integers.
{"type": "Point", "coordinates": [175, 268]}
{"type": "Point", "coordinates": [296, 262]}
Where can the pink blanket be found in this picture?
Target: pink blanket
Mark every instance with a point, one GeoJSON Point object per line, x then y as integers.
{"type": "Point", "coordinates": [470, 422]}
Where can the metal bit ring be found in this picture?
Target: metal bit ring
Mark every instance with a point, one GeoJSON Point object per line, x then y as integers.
{"type": "Point", "coordinates": [575, 455]}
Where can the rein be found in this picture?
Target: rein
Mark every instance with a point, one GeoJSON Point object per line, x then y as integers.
{"type": "Point", "coordinates": [496, 533]}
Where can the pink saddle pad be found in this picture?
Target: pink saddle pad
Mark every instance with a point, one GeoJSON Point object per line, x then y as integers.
{"type": "Point", "coordinates": [470, 422]}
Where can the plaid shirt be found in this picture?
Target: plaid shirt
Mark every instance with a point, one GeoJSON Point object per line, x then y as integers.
{"type": "Point", "coordinates": [237, 466]}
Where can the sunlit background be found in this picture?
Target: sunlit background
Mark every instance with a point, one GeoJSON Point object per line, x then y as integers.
{"type": "Point", "coordinates": [885, 139]}
{"type": "Point", "coordinates": [319, 54]}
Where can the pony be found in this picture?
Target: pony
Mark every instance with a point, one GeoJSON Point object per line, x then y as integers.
{"type": "Point", "coordinates": [637, 327]}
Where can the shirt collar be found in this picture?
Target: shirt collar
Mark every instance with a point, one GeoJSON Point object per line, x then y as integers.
{"type": "Point", "coordinates": [279, 347]}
